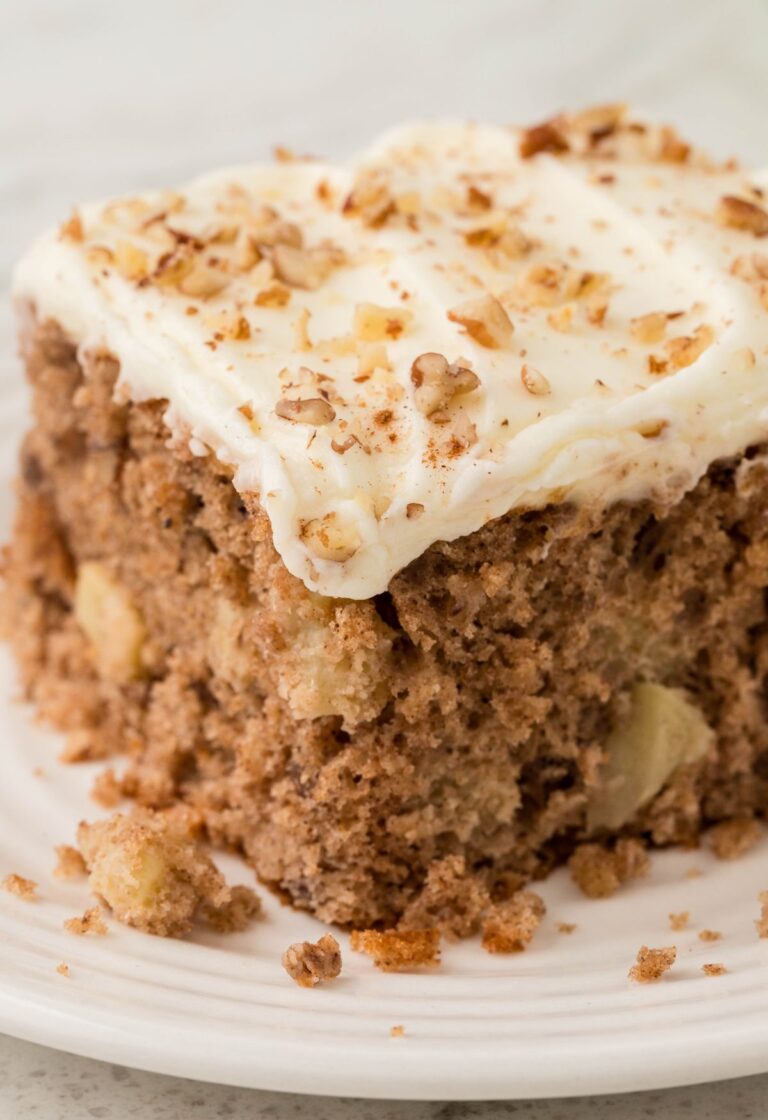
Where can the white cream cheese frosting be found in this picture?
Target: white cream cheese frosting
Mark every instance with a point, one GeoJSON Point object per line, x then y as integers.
{"type": "Point", "coordinates": [593, 311]}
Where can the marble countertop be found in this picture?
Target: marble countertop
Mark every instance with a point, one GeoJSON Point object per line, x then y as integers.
{"type": "Point", "coordinates": [99, 98]}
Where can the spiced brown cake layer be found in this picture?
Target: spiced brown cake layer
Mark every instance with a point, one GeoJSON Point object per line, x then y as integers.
{"type": "Point", "coordinates": [452, 728]}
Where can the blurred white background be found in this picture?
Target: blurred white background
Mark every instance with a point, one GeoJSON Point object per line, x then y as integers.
{"type": "Point", "coordinates": [100, 97]}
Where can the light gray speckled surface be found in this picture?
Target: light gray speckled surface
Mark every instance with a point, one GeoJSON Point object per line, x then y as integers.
{"type": "Point", "coordinates": [98, 97]}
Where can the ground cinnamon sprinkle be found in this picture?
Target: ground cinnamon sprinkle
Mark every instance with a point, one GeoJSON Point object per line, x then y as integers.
{"type": "Point", "coordinates": [395, 950]}
{"type": "Point", "coordinates": [509, 926]}
{"type": "Point", "coordinates": [734, 838]}
{"type": "Point", "coordinates": [652, 964]}
{"type": "Point", "coordinates": [21, 887]}
{"type": "Point", "coordinates": [309, 963]}
{"type": "Point", "coordinates": [90, 923]}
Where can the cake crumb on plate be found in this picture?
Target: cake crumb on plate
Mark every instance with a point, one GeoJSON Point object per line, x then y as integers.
{"type": "Point", "coordinates": [713, 969]}
{"type": "Point", "coordinates": [398, 950]}
{"type": "Point", "coordinates": [679, 921]}
{"type": "Point", "coordinates": [21, 887]}
{"type": "Point", "coordinates": [69, 863]}
{"type": "Point", "coordinates": [599, 871]}
{"type": "Point", "coordinates": [91, 922]}
{"type": "Point", "coordinates": [651, 964]}
{"type": "Point", "coordinates": [709, 935]}
{"type": "Point", "coordinates": [310, 963]}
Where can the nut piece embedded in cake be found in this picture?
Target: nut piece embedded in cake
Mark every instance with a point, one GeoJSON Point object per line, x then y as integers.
{"type": "Point", "coordinates": [311, 963]}
{"type": "Point", "coordinates": [111, 621]}
{"type": "Point", "coordinates": [662, 731]}
{"type": "Point", "coordinates": [153, 873]}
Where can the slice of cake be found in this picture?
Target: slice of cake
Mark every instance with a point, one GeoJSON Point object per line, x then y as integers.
{"type": "Point", "coordinates": [407, 518]}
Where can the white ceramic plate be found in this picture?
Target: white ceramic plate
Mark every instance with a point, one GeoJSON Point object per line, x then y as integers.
{"type": "Point", "coordinates": [557, 1020]}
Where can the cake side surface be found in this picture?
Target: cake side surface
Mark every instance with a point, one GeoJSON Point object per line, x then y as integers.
{"type": "Point", "coordinates": [369, 755]}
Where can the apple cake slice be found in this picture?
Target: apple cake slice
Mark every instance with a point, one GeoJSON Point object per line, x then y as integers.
{"type": "Point", "coordinates": [406, 519]}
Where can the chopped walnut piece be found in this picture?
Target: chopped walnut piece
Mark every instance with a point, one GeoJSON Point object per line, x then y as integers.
{"type": "Point", "coordinates": [733, 838]}
{"type": "Point", "coordinates": [370, 199]}
{"type": "Point", "coordinates": [741, 213]}
{"type": "Point", "coordinates": [599, 871]}
{"type": "Point", "coordinates": [312, 410]}
{"type": "Point", "coordinates": [305, 268]}
{"type": "Point", "coordinates": [651, 429]}
{"type": "Point", "coordinates": [534, 381]}
{"type": "Point", "coordinates": [501, 242]}
{"type": "Point", "coordinates": [649, 329]}
{"type": "Point", "coordinates": [372, 356]}
{"type": "Point", "coordinates": [686, 349]}
{"type": "Point", "coordinates": [151, 870]}
{"type": "Point", "coordinates": [437, 382]}
{"type": "Point", "coordinates": [414, 510]}
{"type": "Point", "coordinates": [203, 280]}
{"type": "Point", "coordinates": [598, 121]}
{"type": "Point", "coordinates": [714, 969]}
{"type": "Point", "coordinates": [378, 324]}
{"type": "Point", "coordinates": [329, 538]}
{"type": "Point", "coordinates": [657, 365]}
{"type": "Point", "coordinates": [709, 935]}
{"type": "Point", "coordinates": [545, 137]}
{"type": "Point", "coordinates": [131, 262]}
{"type": "Point", "coordinates": [72, 229]}
{"type": "Point", "coordinates": [509, 926]}
{"type": "Point", "coordinates": [485, 321]}
{"type": "Point", "coordinates": [671, 148]}
{"type": "Point", "coordinates": [478, 199]}
{"type": "Point", "coordinates": [70, 864]}
{"type": "Point", "coordinates": [652, 964]}
{"type": "Point", "coordinates": [395, 950]}
{"type": "Point", "coordinates": [561, 318]}
{"type": "Point", "coordinates": [761, 923]}
{"type": "Point", "coordinates": [678, 922]}
{"type": "Point", "coordinates": [311, 963]}
{"type": "Point", "coordinates": [91, 923]}
{"type": "Point", "coordinates": [596, 308]}
{"type": "Point", "coordinates": [21, 887]}
{"type": "Point", "coordinates": [275, 294]}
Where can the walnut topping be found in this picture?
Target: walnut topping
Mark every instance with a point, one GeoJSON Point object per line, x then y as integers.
{"type": "Point", "coordinates": [372, 356]}
{"type": "Point", "coordinates": [561, 318]}
{"type": "Point", "coordinates": [329, 538]}
{"type": "Point", "coordinates": [652, 964]}
{"type": "Point", "coordinates": [370, 200]}
{"type": "Point", "coordinates": [485, 321]}
{"type": "Point", "coordinates": [21, 887]}
{"type": "Point", "coordinates": [377, 324]}
{"type": "Point", "coordinates": [534, 381]}
{"type": "Point", "coordinates": [478, 199]}
{"type": "Point", "coordinates": [203, 280]}
{"type": "Point", "coordinates": [275, 294]}
{"type": "Point", "coordinates": [686, 349]}
{"type": "Point", "coordinates": [312, 410]}
{"type": "Point", "coordinates": [72, 229]}
{"type": "Point", "coordinates": [501, 241]}
{"type": "Point", "coordinates": [741, 213]}
{"type": "Point", "coordinates": [436, 382]}
{"type": "Point", "coordinates": [305, 268]}
{"type": "Point", "coordinates": [310, 964]}
{"type": "Point", "coordinates": [396, 950]}
{"type": "Point", "coordinates": [414, 510]}
{"type": "Point", "coordinates": [649, 329]}
{"type": "Point", "coordinates": [598, 121]}
{"type": "Point", "coordinates": [545, 137]}
{"type": "Point", "coordinates": [131, 262]}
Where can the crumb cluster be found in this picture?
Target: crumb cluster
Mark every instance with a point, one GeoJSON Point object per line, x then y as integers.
{"type": "Point", "coordinates": [652, 964]}
{"type": "Point", "coordinates": [599, 870]}
{"type": "Point", "coordinates": [394, 950]}
{"type": "Point", "coordinates": [310, 963]}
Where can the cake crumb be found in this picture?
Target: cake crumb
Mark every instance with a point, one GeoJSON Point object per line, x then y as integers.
{"type": "Point", "coordinates": [693, 873]}
{"type": "Point", "coordinates": [599, 871]}
{"type": "Point", "coordinates": [652, 964]}
{"type": "Point", "coordinates": [510, 925]}
{"type": "Point", "coordinates": [709, 935]}
{"type": "Point", "coordinates": [62, 969]}
{"type": "Point", "coordinates": [678, 922]}
{"type": "Point", "coordinates": [399, 950]}
{"type": "Point", "coordinates": [566, 927]}
{"type": "Point", "coordinates": [452, 900]}
{"type": "Point", "coordinates": [713, 969]}
{"type": "Point", "coordinates": [91, 922]}
{"type": "Point", "coordinates": [311, 963]}
{"type": "Point", "coordinates": [21, 887]}
{"type": "Point", "coordinates": [734, 838]}
{"type": "Point", "coordinates": [106, 789]}
{"type": "Point", "coordinates": [70, 864]}
{"type": "Point", "coordinates": [397, 1031]}
{"type": "Point", "coordinates": [761, 923]}
{"type": "Point", "coordinates": [153, 872]}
